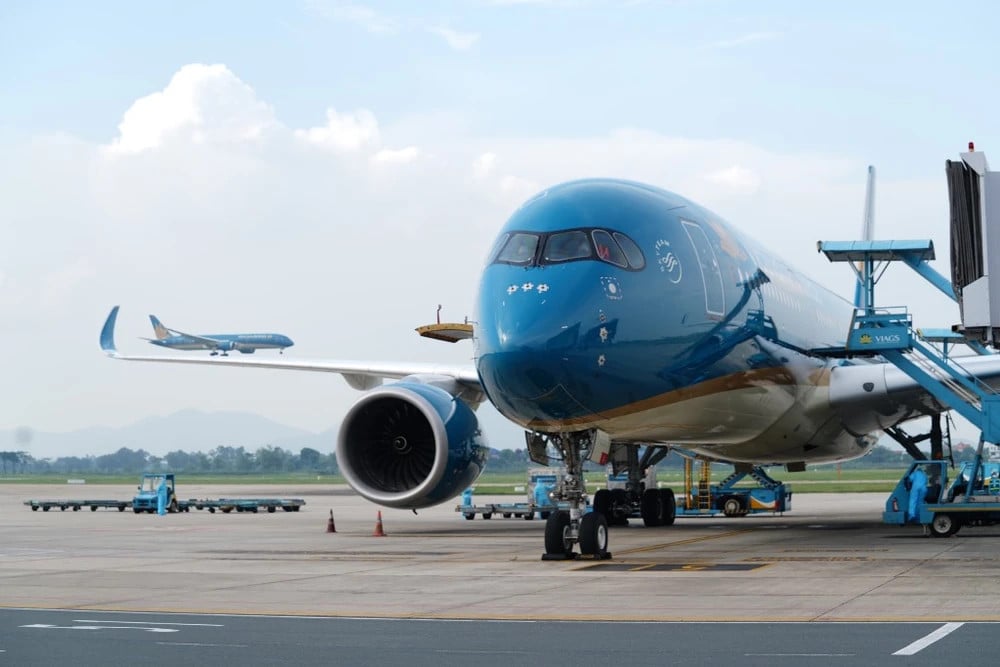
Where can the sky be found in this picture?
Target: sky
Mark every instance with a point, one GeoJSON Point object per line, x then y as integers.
{"type": "Point", "coordinates": [336, 170]}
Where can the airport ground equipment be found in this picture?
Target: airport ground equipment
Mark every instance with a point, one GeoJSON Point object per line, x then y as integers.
{"type": "Point", "coordinates": [77, 505]}
{"type": "Point", "coordinates": [972, 498]}
{"type": "Point", "coordinates": [702, 498]}
{"type": "Point", "coordinates": [145, 500]}
{"type": "Point", "coordinates": [541, 482]}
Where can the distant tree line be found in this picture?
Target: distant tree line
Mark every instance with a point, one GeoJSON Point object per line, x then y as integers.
{"type": "Point", "coordinates": [271, 459]}
{"type": "Point", "coordinates": [234, 460]}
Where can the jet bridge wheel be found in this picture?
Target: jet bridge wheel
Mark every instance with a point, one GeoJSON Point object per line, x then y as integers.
{"type": "Point", "coordinates": [594, 535]}
{"type": "Point", "coordinates": [944, 525]}
{"type": "Point", "coordinates": [557, 538]}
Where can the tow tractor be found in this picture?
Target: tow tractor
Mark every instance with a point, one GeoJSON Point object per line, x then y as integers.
{"type": "Point", "coordinates": [146, 499]}
{"type": "Point", "coordinates": [972, 498]}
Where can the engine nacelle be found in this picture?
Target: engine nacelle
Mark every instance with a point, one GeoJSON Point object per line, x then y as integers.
{"type": "Point", "coordinates": [410, 445]}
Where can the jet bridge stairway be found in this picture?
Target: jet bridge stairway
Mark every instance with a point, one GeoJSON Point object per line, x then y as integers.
{"type": "Point", "coordinates": [889, 333]}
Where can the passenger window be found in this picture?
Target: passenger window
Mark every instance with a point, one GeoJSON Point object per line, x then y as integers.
{"type": "Point", "coordinates": [565, 246]}
{"type": "Point", "coordinates": [520, 249]}
{"type": "Point", "coordinates": [607, 250]}
{"type": "Point", "coordinates": [632, 252]}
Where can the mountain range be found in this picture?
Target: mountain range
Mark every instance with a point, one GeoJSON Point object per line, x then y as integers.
{"type": "Point", "coordinates": [187, 430]}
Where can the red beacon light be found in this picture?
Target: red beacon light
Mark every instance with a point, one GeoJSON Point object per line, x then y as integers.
{"type": "Point", "coordinates": [972, 147]}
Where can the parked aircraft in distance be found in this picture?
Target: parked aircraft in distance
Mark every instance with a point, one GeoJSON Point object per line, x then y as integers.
{"type": "Point", "coordinates": [612, 315]}
{"type": "Point", "coordinates": [219, 344]}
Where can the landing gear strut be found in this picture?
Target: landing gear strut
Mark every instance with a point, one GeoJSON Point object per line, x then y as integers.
{"type": "Point", "coordinates": [566, 528]}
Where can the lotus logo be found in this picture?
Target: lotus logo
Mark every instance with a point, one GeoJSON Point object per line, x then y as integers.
{"type": "Point", "coordinates": [865, 339]}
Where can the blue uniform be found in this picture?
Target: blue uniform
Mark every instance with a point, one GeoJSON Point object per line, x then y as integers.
{"type": "Point", "coordinates": [918, 489]}
{"type": "Point", "coordinates": [161, 498]}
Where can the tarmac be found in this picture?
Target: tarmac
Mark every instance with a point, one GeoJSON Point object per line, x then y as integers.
{"type": "Point", "coordinates": [828, 559]}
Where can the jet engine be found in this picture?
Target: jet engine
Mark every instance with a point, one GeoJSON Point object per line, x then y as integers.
{"type": "Point", "coordinates": [410, 445]}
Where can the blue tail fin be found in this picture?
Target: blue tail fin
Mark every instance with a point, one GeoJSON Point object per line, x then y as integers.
{"type": "Point", "coordinates": [158, 328]}
{"type": "Point", "coordinates": [867, 232]}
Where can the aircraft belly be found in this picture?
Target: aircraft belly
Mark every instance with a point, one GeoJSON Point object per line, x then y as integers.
{"type": "Point", "coordinates": [734, 416]}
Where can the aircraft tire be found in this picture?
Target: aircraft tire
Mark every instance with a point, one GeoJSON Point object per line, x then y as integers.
{"type": "Point", "coordinates": [556, 534]}
{"type": "Point", "coordinates": [651, 508]}
{"type": "Point", "coordinates": [669, 504]}
{"type": "Point", "coordinates": [594, 534]}
{"type": "Point", "coordinates": [602, 502]}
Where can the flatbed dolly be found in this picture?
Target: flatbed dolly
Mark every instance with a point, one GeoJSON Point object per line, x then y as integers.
{"type": "Point", "coordinates": [77, 505]}
{"type": "Point", "coordinates": [252, 505]}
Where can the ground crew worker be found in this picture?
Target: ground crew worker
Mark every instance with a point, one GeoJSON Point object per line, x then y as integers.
{"type": "Point", "coordinates": [918, 489]}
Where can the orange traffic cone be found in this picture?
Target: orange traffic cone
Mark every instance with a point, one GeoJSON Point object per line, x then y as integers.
{"type": "Point", "coordinates": [378, 526]}
{"type": "Point", "coordinates": [330, 526]}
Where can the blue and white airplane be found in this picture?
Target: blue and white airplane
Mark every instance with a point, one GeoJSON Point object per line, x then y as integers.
{"type": "Point", "coordinates": [219, 344]}
{"type": "Point", "coordinates": [612, 314]}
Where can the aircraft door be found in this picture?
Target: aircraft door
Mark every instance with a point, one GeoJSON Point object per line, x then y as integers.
{"type": "Point", "coordinates": [708, 263]}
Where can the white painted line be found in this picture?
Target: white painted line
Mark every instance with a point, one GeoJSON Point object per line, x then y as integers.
{"type": "Point", "coordinates": [799, 655]}
{"type": "Point", "coordinates": [924, 642]}
{"type": "Point", "coordinates": [200, 644]}
{"type": "Point", "coordinates": [200, 625]}
{"type": "Point", "coordinates": [96, 627]}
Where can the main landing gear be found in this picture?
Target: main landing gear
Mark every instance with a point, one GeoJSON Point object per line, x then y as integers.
{"type": "Point", "coordinates": [567, 527]}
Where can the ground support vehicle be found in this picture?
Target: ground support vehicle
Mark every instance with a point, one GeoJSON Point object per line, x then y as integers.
{"type": "Point", "coordinates": [972, 498]}
{"type": "Point", "coordinates": [77, 505]}
{"type": "Point", "coordinates": [253, 505]}
{"type": "Point", "coordinates": [146, 500]}
{"type": "Point", "coordinates": [541, 482]}
{"type": "Point", "coordinates": [702, 498]}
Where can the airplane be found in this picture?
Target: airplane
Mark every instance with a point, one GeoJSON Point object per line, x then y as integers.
{"type": "Point", "coordinates": [611, 315]}
{"type": "Point", "coordinates": [219, 344]}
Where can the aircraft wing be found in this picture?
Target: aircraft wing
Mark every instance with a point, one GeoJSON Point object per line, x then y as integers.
{"type": "Point", "coordinates": [883, 387]}
{"type": "Point", "coordinates": [359, 374]}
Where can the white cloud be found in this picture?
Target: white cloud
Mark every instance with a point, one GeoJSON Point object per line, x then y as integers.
{"type": "Point", "coordinates": [200, 103]}
{"type": "Point", "coordinates": [401, 156]}
{"type": "Point", "coordinates": [360, 15]}
{"type": "Point", "coordinates": [460, 41]}
{"type": "Point", "coordinates": [483, 165]}
{"type": "Point", "coordinates": [736, 178]}
{"type": "Point", "coordinates": [344, 131]}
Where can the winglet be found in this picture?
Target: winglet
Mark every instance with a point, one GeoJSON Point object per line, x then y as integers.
{"type": "Point", "coordinates": [108, 333]}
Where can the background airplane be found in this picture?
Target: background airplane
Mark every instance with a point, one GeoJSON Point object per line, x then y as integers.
{"type": "Point", "coordinates": [613, 315]}
{"type": "Point", "coordinates": [246, 343]}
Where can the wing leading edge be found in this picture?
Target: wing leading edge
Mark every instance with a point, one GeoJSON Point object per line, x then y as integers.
{"type": "Point", "coordinates": [359, 374]}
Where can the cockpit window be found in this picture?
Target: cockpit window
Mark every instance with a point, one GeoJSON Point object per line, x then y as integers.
{"type": "Point", "coordinates": [607, 249]}
{"type": "Point", "coordinates": [564, 246]}
{"type": "Point", "coordinates": [520, 249]}
{"type": "Point", "coordinates": [615, 248]}
{"type": "Point", "coordinates": [635, 259]}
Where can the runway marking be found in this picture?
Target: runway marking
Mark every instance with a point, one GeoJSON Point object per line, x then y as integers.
{"type": "Point", "coordinates": [200, 625]}
{"type": "Point", "coordinates": [201, 644]}
{"type": "Point", "coordinates": [96, 627]}
{"type": "Point", "coordinates": [799, 655]}
{"type": "Point", "coordinates": [926, 641]}
{"type": "Point", "coordinates": [674, 567]}
{"type": "Point", "coordinates": [690, 540]}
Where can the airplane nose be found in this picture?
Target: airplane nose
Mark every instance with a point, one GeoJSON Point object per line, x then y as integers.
{"type": "Point", "coordinates": [540, 345]}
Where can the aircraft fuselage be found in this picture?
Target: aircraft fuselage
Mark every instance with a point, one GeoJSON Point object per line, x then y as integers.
{"type": "Point", "coordinates": [702, 340]}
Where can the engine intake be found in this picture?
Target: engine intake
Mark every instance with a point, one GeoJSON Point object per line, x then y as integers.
{"type": "Point", "coordinates": [410, 445]}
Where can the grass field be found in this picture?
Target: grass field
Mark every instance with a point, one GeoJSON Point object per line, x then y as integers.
{"type": "Point", "coordinates": [822, 480]}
